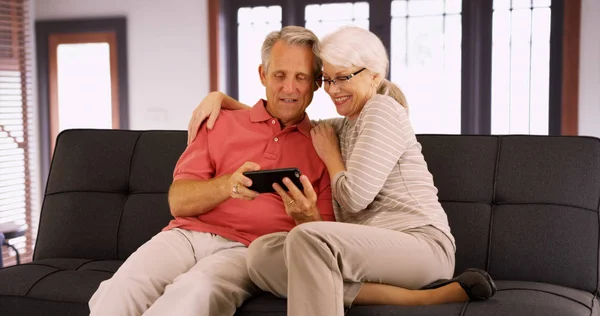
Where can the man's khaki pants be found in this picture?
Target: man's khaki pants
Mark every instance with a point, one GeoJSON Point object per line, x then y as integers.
{"type": "Point", "coordinates": [178, 272]}
{"type": "Point", "coordinates": [321, 266]}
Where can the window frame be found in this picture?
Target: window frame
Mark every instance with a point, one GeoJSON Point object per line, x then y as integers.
{"type": "Point", "coordinates": [476, 55]}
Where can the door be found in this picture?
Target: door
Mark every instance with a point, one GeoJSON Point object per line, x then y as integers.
{"type": "Point", "coordinates": [83, 82]}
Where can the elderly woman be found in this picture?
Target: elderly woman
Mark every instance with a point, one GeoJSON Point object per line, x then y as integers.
{"type": "Point", "coordinates": [392, 235]}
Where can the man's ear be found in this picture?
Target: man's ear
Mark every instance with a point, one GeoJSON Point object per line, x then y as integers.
{"type": "Point", "coordinates": [315, 86]}
{"type": "Point", "coordinates": [262, 75]}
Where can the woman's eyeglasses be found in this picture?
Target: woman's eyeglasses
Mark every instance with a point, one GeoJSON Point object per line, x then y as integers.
{"type": "Point", "coordinates": [336, 81]}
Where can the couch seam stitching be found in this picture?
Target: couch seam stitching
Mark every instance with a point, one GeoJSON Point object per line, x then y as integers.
{"type": "Point", "coordinates": [84, 263]}
{"type": "Point", "coordinates": [593, 300]}
{"type": "Point", "coordinates": [43, 299]}
{"type": "Point", "coordinates": [598, 253]}
{"type": "Point", "coordinates": [547, 292]}
{"type": "Point", "coordinates": [38, 281]}
{"type": "Point", "coordinates": [523, 203]}
{"type": "Point", "coordinates": [493, 204]}
{"type": "Point", "coordinates": [464, 308]}
{"type": "Point", "coordinates": [127, 196]}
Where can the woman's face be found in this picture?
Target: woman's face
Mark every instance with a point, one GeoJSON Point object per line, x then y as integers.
{"type": "Point", "coordinates": [349, 96]}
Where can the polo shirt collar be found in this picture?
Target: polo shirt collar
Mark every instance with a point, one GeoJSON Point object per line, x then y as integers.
{"type": "Point", "coordinates": [258, 113]}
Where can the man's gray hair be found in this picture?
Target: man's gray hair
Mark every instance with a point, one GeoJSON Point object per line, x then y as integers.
{"type": "Point", "coordinates": [291, 35]}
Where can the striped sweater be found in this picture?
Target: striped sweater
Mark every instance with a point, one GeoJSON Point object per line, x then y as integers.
{"type": "Point", "coordinates": [386, 183]}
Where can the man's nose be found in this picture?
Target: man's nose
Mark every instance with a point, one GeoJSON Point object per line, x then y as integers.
{"type": "Point", "coordinates": [288, 85]}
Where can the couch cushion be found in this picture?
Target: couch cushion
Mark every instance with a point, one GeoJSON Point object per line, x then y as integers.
{"type": "Point", "coordinates": [514, 298]}
{"type": "Point", "coordinates": [67, 280]}
{"type": "Point", "coordinates": [546, 211]}
{"type": "Point", "coordinates": [522, 207]}
{"type": "Point", "coordinates": [470, 225]}
{"type": "Point", "coordinates": [107, 192]}
{"type": "Point", "coordinates": [553, 250]}
{"type": "Point", "coordinates": [518, 298]}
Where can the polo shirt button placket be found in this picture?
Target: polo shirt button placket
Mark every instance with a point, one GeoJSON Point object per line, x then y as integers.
{"type": "Point", "coordinates": [273, 148]}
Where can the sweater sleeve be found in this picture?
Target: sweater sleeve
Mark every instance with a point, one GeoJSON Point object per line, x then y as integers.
{"type": "Point", "coordinates": [336, 122]}
{"type": "Point", "coordinates": [383, 129]}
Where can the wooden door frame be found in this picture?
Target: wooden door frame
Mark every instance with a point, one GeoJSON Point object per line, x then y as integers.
{"type": "Point", "coordinates": [43, 30]}
{"type": "Point", "coordinates": [77, 38]}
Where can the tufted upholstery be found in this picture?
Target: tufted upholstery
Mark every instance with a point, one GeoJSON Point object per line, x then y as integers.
{"type": "Point", "coordinates": [526, 208]}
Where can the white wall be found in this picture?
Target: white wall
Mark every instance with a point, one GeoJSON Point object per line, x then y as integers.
{"type": "Point", "coordinates": [167, 46]}
{"type": "Point", "coordinates": [589, 69]}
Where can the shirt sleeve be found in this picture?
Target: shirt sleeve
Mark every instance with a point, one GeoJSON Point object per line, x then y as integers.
{"type": "Point", "coordinates": [383, 130]}
{"type": "Point", "coordinates": [195, 163]}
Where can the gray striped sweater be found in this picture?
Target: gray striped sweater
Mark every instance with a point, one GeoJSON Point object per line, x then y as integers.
{"type": "Point", "coordinates": [386, 183]}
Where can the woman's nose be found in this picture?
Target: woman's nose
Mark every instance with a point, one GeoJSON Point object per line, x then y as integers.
{"type": "Point", "coordinates": [333, 88]}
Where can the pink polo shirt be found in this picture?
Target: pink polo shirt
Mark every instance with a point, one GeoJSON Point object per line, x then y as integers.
{"type": "Point", "coordinates": [251, 135]}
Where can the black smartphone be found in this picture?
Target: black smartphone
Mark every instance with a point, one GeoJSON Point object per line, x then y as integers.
{"type": "Point", "coordinates": [262, 180]}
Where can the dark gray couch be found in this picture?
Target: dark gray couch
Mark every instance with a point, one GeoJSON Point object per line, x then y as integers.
{"type": "Point", "coordinates": [524, 208]}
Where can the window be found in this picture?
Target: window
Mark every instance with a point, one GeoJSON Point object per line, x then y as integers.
{"type": "Point", "coordinates": [521, 66]}
{"type": "Point", "coordinates": [254, 24]}
{"type": "Point", "coordinates": [466, 66]}
{"type": "Point", "coordinates": [84, 74]}
{"type": "Point", "coordinates": [18, 196]}
{"type": "Point", "coordinates": [426, 56]}
{"type": "Point", "coordinates": [323, 19]}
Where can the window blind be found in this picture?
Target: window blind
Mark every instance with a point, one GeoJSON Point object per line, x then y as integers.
{"type": "Point", "coordinates": [17, 138]}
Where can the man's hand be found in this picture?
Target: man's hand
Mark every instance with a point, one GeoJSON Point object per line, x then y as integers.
{"type": "Point", "coordinates": [238, 184]}
{"type": "Point", "coordinates": [209, 108]}
{"type": "Point", "coordinates": [301, 206]}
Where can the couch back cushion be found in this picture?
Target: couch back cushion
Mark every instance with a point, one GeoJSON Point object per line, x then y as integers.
{"type": "Point", "coordinates": [522, 207]}
{"type": "Point", "coordinates": [107, 192]}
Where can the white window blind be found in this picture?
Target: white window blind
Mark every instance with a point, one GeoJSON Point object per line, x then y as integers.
{"type": "Point", "coordinates": [17, 138]}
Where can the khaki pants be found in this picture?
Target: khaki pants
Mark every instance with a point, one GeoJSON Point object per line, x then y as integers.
{"type": "Point", "coordinates": [321, 266]}
{"type": "Point", "coordinates": [178, 272]}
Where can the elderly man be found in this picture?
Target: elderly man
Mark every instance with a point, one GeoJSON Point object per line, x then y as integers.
{"type": "Point", "coordinates": [197, 264]}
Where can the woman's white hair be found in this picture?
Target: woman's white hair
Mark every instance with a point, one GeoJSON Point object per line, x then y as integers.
{"type": "Point", "coordinates": [351, 46]}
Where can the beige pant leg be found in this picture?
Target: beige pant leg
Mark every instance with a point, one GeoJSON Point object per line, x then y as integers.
{"type": "Point", "coordinates": [266, 263]}
{"type": "Point", "coordinates": [178, 272]}
{"type": "Point", "coordinates": [217, 285]}
{"type": "Point", "coordinates": [321, 256]}
{"type": "Point", "coordinates": [143, 277]}
{"type": "Point", "coordinates": [267, 267]}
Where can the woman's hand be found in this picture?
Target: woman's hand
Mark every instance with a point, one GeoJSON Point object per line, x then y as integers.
{"type": "Point", "coordinates": [301, 206]}
{"type": "Point", "coordinates": [326, 142]}
{"type": "Point", "coordinates": [208, 108]}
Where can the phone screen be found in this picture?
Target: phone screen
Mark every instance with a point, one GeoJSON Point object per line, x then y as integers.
{"type": "Point", "coordinates": [262, 180]}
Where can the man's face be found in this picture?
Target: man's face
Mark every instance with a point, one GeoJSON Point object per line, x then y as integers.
{"type": "Point", "coordinates": [289, 82]}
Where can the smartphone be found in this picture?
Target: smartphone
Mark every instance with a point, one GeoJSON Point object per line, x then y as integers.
{"type": "Point", "coordinates": [262, 180]}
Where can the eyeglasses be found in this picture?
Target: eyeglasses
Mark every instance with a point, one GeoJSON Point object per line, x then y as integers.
{"type": "Point", "coordinates": [339, 80]}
